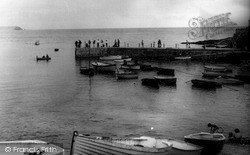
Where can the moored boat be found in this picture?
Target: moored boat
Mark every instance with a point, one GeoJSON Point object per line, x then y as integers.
{"type": "Point", "coordinates": [229, 81]}
{"type": "Point", "coordinates": [104, 67]}
{"type": "Point", "coordinates": [125, 74]}
{"type": "Point", "coordinates": [205, 84]}
{"type": "Point", "coordinates": [113, 57]}
{"type": "Point", "coordinates": [86, 144]}
{"type": "Point", "coordinates": [211, 142]}
{"type": "Point", "coordinates": [37, 43]}
{"type": "Point", "coordinates": [183, 148]}
{"type": "Point", "coordinates": [216, 68]}
{"type": "Point", "coordinates": [150, 82]}
{"type": "Point", "coordinates": [148, 68]}
{"type": "Point", "coordinates": [166, 80]}
{"type": "Point", "coordinates": [22, 147]}
{"type": "Point", "coordinates": [130, 65]}
{"type": "Point", "coordinates": [182, 58]}
{"type": "Point", "coordinates": [213, 74]}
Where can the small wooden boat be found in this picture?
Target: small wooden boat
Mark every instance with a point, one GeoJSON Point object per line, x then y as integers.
{"type": "Point", "coordinates": [56, 49]}
{"type": "Point", "coordinates": [182, 58]}
{"type": "Point", "coordinates": [104, 67]}
{"type": "Point", "coordinates": [216, 68]}
{"type": "Point", "coordinates": [130, 65]}
{"type": "Point", "coordinates": [86, 144]}
{"type": "Point", "coordinates": [211, 142]}
{"type": "Point", "coordinates": [183, 148]}
{"type": "Point", "coordinates": [229, 81]}
{"type": "Point", "coordinates": [125, 74]}
{"type": "Point", "coordinates": [113, 57]}
{"type": "Point", "coordinates": [166, 71]}
{"type": "Point", "coordinates": [213, 74]}
{"type": "Point", "coordinates": [150, 82]}
{"type": "Point", "coordinates": [205, 84]}
{"type": "Point", "coordinates": [43, 58]}
{"type": "Point", "coordinates": [166, 80]}
{"type": "Point", "coordinates": [87, 71]}
{"type": "Point", "coordinates": [29, 147]}
{"type": "Point", "coordinates": [121, 61]}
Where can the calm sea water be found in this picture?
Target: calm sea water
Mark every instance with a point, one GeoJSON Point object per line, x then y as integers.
{"type": "Point", "coordinates": [49, 100]}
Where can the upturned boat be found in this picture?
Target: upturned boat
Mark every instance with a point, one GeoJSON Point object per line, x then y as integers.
{"type": "Point", "coordinates": [183, 148]}
{"type": "Point", "coordinates": [205, 84]}
{"type": "Point", "coordinates": [90, 145]}
{"type": "Point", "coordinates": [166, 80]}
{"type": "Point", "coordinates": [213, 74]}
{"type": "Point", "coordinates": [150, 82]}
{"type": "Point", "coordinates": [29, 147]}
{"type": "Point", "coordinates": [104, 67]}
{"type": "Point", "coordinates": [211, 142]}
{"type": "Point", "coordinates": [125, 74]}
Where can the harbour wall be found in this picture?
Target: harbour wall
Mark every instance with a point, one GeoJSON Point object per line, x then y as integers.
{"type": "Point", "coordinates": [163, 53]}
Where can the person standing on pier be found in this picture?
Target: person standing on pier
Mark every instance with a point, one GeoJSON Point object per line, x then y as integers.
{"type": "Point", "coordinates": [153, 44]}
{"type": "Point", "coordinates": [142, 44]}
{"type": "Point", "coordinates": [118, 42]}
{"type": "Point", "coordinates": [76, 43]}
{"type": "Point", "coordinates": [80, 43]}
{"type": "Point", "coordinates": [97, 43]}
{"type": "Point", "coordinates": [106, 43]}
{"type": "Point", "coordinates": [89, 43]}
{"type": "Point", "coordinates": [187, 43]}
{"type": "Point", "coordinates": [159, 43]}
{"type": "Point", "coordinates": [94, 43]}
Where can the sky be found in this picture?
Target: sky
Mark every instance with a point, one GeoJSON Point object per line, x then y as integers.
{"type": "Point", "coordinates": [78, 14]}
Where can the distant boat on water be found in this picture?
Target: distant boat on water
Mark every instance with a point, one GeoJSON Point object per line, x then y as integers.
{"type": "Point", "coordinates": [216, 68]}
{"type": "Point", "coordinates": [125, 74]}
{"type": "Point", "coordinates": [182, 58]}
{"type": "Point", "coordinates": [205, 84]}
{"type": "Point", "coordinates": [47, 58]}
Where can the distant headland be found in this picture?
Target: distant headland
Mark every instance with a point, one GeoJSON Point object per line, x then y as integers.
{"type": "Point", "coordinates": [10, 28]}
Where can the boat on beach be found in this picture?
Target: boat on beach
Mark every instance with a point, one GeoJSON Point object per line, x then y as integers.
{"type": "Point", "coordinates": [125, 74]}
{"type": "Point", "coordinates": [183, 148]}
{"type": "Point", "coordinates": [211, 142]}
{"type": "Point", "coordinates": [87, 144]}
{"type": "Point", "coordinates": [166, 80]}
{"type": "Point", "coordinates": [29, 147]}
{"type": "Point", "coordinates": [205, 84]}
{"type": "Point", "coordinates": [104, 67]}
{"type": "Point", "coordinates": [150, 82]}
{"type": "Point", "coordinates": [47, 58]}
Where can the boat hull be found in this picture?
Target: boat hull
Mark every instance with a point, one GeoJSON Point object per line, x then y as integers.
{"type": "Point", "coordinates": [166, 80]}
{"type": "Point", "coordinates": [183, 148]}
{"type": "Point", "coordinates": [166, 71]}
{"type": "Point", "coordinates": [183, 58]}
{"type": "Point", "coordinates": [205, 84]}
{"type": "Point", "coordinates": [103, 67]}
{"type": "Point", "coordinates": [210, 145]}
{"type": "Point", "coordinates": [150, 82]}
{"type": "Point", "coordinates": [216, 69]}
{"type": "Point", "coordinates": [84, 145]}
{"type": "Point", "coordinates": [130, 67]}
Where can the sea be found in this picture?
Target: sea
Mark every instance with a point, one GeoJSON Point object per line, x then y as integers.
{"type": "Point", "coordinates": [49, 100]}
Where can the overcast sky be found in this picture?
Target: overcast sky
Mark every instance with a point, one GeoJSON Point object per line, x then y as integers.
{"type": "Point", "coordinates": [67, 14]}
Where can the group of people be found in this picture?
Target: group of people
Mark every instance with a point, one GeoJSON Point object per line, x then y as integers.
{"type": "Point", "coordinates": [97, 43]}
{"type": "Point", "coordinates": [159, 44]}
{"type": "Point", "coordinates": [233, 137]}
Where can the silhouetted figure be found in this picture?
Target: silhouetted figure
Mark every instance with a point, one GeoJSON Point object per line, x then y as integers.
{"type": "Point", "coordinates": [159, 43]}
{"type": "Point", "coordinates": [237, 135]}
{"type": "Point", "coordinates": [142, 44]}
{"type": "Point", "coordinates": [187, 43]}
{"type": "Point", "coordinates": [106, 43]}
{"type": "Point", "coordinates": [89, 43]}
{"type": "Point", "coordinates": [213, 127]}
{"type": "Point", "coordinates": [153, 44]}
{"type": "Point", "coordinates": [76, 43]}
{"type": "Point", "coordinates": [97, 43]}
{"type": "Point", "coordinates": [80, 43]}
{"type": "Point", "coordinates": [118, 43]}
{"type": "Point", "coordinates": [115, 44]}
{"type": "Point", "coordinates": [94, 43]}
